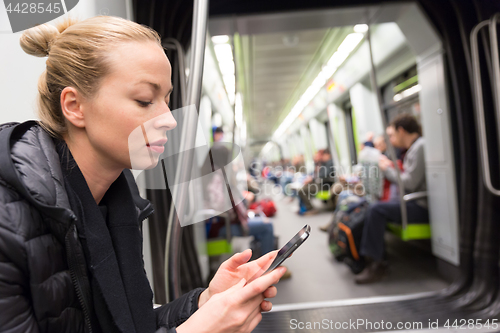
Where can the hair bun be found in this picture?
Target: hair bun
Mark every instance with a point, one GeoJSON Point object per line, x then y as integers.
{"type": "Point", "coordinates": [36, 41]}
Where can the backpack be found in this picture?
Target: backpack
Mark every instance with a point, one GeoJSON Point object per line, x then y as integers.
{"type": "Point", "coordinates": [267, 207]}
{"type": "Point", "coordinates": [345, 232]}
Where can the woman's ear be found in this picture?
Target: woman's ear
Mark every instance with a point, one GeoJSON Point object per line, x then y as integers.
{"type": "Point", "coordinates": [71, 106]}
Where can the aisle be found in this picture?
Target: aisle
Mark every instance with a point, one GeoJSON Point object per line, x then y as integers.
{"type": "Point", "coordinates": [316, 276]}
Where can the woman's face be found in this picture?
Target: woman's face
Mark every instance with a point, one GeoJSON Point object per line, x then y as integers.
{"type": "Point", "coordinates": [128, 119]}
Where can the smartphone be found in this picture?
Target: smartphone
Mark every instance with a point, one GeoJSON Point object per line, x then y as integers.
{"type": "Point", "coordinates": [290, 247]}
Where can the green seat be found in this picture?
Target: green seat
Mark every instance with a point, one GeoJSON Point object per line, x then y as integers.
{"type": "Point", "coordinates": [218, 247]}
{"type": "Point", "coordinates": [323, 195]}
{"type": "Point", "coordinates": [413, 231]}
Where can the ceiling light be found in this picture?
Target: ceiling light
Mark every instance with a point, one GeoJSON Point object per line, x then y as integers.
{"type": "Point", "coordinates": [267, 147]}
{"type": "Point", "coordinates": [350, 42]}
{"type": "Point", "coordinates": [337, 58]}
{"type": "Point", "coordinates": [397, 97]}
{"type": "Point", "coordinates": [361, 28]}
{"type": "Point", "coordinates": [408, 92]}
{"type": "Point", "coordinates": [223, 52]}
{"type": "Point", "coordinates": [231, 97]}
{"type": "Point", "coordinates": [220, 39]}
{"type": "Point", "coordinates": [227, 67]}
{"type": "Point", "coordinates": [229, 80]}
{"type": "Point", "coordinates": [345, 48]}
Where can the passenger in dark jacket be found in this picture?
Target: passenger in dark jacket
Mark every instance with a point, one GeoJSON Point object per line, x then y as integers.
{"type": "Point", "coordinates": [70, 212]}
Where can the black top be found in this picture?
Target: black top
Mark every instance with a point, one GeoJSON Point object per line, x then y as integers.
{"type": "Point", "coordinates": [112, 243]}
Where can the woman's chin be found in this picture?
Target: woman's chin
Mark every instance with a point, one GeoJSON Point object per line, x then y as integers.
{"type": "Point", "coordinates": [145, 163]}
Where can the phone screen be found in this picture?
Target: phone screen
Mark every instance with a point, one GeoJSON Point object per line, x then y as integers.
{"type": "Point", "coordinates": [289, 247]}
{"type": "Point", "coordinates": [285, 251]}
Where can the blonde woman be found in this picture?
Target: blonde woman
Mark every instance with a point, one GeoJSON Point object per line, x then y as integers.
{"type": "Point", "coordinates": [70, 213]}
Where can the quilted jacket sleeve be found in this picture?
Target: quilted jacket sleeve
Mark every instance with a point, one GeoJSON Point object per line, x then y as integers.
{"type": "Point", "coordinates": [16, 312]}
{"type": "Point", "coordinates": [173, 314]}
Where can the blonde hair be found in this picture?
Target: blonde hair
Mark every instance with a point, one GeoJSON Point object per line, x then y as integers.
{"type": "Point", "coordinates": [76, 58]}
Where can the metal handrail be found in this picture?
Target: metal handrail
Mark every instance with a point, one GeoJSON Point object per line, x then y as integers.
{"type": "Point", "coordinates": [479, 108]}
{"type": "Point", "coordinates": [415, 196]}
{"type": "Point", "coordinates": [179, 195]}
{"type": "Point", "coordinates": [496, 68]}
{"type": "Point", "coordinates": [174, 43]}
{"type": "Point", "coordinates": [390, 148]}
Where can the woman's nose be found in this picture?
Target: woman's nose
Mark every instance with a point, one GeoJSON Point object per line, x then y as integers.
{"type": "Point", "coordinates": [165, 121]}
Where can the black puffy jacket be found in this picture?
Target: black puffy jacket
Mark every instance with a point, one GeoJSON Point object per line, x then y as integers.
{"type": "Point", "coordinates": [42, 263]}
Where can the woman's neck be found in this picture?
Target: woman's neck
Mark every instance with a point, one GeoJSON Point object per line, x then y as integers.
{"type": "Point", "coordinates": [98, 174]}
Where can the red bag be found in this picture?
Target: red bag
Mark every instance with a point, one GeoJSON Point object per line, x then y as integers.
{"type": "Point", "coordinates": [267, 207]}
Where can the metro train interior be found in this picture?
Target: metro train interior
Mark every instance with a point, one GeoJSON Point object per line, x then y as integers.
{"type": "Point", "coordinates": [282, 82]}
{"type": "Point", "coordinates": [286, 80]}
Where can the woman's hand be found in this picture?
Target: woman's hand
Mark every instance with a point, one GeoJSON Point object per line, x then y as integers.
{"type": "Point", "coordinates": [235, 310]}
{"type": "Point", "coordinates": [236, 268]}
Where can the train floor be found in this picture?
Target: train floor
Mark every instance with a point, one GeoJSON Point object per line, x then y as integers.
{"type": "Point", "coordinates": [318, 277]}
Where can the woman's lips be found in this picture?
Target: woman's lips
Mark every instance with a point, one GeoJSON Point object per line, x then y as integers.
{"type": "Point", "coordinates": [156, 149]}
{"type": "Point", "coordinates": [157, 146]}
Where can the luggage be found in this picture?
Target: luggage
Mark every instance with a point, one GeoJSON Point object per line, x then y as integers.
{"type": "Point", "coordinates": [345, 232]}
{"type": "Point", "coordinates": [266, 206]}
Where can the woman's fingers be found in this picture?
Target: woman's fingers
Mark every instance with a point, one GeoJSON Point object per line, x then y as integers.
{"type": "Point", "coordinates": [257, 267]}
{"type": "Point", "coordinates": [266, 259]}
{"type": "Point", "coordinates": [236, 288]}
{"type": "Point", "coordinates": [271, 292]}
{"type": "Point", "coordinates": [255, 321]}
{"type": "Point", "coordinates": [238, 259]}
{"type": "Point", "coordinates": [266, 306]}
{"type": "Point", "coordinates": [261, 284]}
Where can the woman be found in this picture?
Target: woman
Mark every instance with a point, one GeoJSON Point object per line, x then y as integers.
{"type": "Point", "coordinates": [70, 213]}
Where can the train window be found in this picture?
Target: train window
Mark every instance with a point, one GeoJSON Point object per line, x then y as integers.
{"type": "Point", "coordinates": [401, 95]}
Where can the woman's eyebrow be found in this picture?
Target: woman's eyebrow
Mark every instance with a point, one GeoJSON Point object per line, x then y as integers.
{"type": "Point", "coordinates": [157, 86]}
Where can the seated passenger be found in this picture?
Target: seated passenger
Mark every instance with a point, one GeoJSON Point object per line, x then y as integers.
{"type": "Point", "coordinates": [258, 226]}
{"type": "Point", "coordinates": [321, 180]}
{"type": "Point", "coordinates": [216, 188]}
{"type": "Point", "coordinates": [407, 135]}
{"type": "Point", "coordinates": [286, 178]}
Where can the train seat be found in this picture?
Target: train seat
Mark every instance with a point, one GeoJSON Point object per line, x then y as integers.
{"type": "Point", "coordinates": [323, 195]}
{"type": "Point", "coordinates": [413, 231]}
{"type": "Point", "coordinates": [219, 245]}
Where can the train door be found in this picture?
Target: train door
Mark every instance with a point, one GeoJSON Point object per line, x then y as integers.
{"type": "Point", "coordinates": [429, 33]}
{"type": "Point", "coordinates": [351, 132]}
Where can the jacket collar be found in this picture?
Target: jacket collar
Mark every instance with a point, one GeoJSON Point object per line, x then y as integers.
{"type": "Point", "coordinates": [30, 164]}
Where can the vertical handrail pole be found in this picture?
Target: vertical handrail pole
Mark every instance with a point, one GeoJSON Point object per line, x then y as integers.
{"type": "Point", "coordinates": [392, 152]}
{"type": "Point", "coordinates": [183, 172]}
{"type": "Point", "coordinates": [496, 69]}
{"type": "Point", "coordinates": [479, 108]}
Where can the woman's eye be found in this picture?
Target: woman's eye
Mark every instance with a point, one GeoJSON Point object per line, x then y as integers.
{"type": "Point", "coordinates": [143, 103]}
